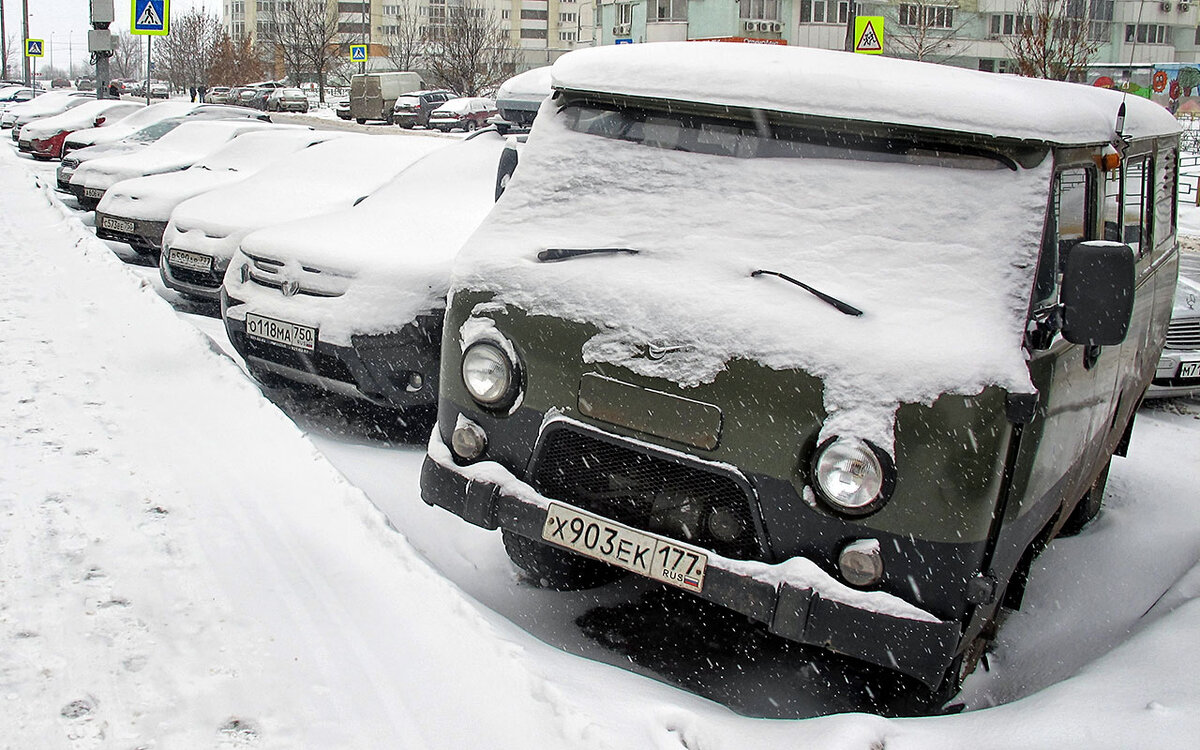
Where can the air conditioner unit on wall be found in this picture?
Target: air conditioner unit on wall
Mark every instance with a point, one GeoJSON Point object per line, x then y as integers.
{"type": "Point", "coordinates": [1183, 6]}
{"type": "Point", "coordinates": [1166, 7]}
{"type": "Point", "coordinates": [621, 29]}
{"type": "Point", "coordinates": [776, 26]}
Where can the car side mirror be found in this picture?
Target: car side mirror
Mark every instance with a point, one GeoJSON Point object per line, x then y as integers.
{"type": "Point", "coordinates": [99, 121]}
{"type": "Point", "coordinates": [1097, 293]}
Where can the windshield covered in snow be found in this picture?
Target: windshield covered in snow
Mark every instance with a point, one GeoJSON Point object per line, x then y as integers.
{"type": "Point", "coordinates": [152, 133]}
{"type": "Point", "coordinates": [757, 139]}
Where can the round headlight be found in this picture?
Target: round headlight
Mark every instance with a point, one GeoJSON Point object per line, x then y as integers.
{"type": "Point", "coordinates": [852, 476]}
{"type": "Point", "coordinates": [487, 372]}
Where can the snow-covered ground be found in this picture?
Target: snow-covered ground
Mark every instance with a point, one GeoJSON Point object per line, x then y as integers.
{"type": "Point", "coordinates": [185, 563]}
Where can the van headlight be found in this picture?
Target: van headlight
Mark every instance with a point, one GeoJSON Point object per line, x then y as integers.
{"type": "Point", "coordinates": [489, 374]}
{"type": "Point", "coordinates": [853, 476]}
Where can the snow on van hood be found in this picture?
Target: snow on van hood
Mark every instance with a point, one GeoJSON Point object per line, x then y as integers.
{"type": "Point", "coordinates": [862, 87]}
{"type": "Point", "coordinates": [940, 260]}
{"type": "Point", "coordinates": [179, 149]}
{"type": "Point", "coordinates": [321, 179]}
{"type": "Point", "coordinates": [153, 198]}
{"type": "Point", "coordinates": [394, 249]}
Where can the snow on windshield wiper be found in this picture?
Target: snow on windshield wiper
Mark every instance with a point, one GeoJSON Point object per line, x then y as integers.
{"type": "Point", "coordinates": [841, 306]}
{"type": "Point", "coordinates": [551, 254]}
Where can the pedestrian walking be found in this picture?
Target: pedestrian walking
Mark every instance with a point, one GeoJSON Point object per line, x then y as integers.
{"type": "Point", "coordinates": [192, 91]}
{"type": "Point", "coordinates": [203, 94]}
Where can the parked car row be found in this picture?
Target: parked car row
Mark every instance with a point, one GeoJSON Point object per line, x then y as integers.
{"type": "Point", "coordinates": [853, 420]}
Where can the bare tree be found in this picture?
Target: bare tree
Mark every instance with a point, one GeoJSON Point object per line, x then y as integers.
{"type": "Point", "coordinates": [405, 39]}
{"type": "Point", "coordinates": [471, 53]}
{"type": "Point", "coordinates": [12, 54]}
{"type": "Point", "coordinates": [1057, 38]}
{"type": "Point", "coordinates": [184, 56]}
{"type": "Point", "coordinates": [924, 30]}
{"type": "Point", "coordinates": [129, 56]}
{"type": "Point", "coordinates": [303, 33]}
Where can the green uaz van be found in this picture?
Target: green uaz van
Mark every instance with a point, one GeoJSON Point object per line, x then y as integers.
{"type": "Point", "coordinates": [837, 342]}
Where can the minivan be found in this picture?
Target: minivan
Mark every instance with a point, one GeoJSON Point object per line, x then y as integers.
{"type": "Point", "coordinates": [837, 342]}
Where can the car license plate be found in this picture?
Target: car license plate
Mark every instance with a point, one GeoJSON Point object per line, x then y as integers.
{"type": "Point", "coordinates": [190, 261]}
{"type": "Point", "coordinates": [649, 555]}
{"type": "Point", "coordinates": [281, 332]}
{"type": "Point", "coordinates": [117, 225]}
{"type": "Point", "coordinates": [93, 192]}
{"type": "Point", "coordinates": [1189, 370]}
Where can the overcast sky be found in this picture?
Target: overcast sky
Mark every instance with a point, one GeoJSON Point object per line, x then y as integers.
{"type": "Point", "coordinates": [67, 23]}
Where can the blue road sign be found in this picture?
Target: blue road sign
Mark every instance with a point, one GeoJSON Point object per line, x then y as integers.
{"type": "Point", "coordinates": [622, 41]}
{"type": "Point", "coordinates": [34, 48]}
{"type": "Point", "coordinates": [151, 17]}
{"type": "Point", "coordinates": [358, 52]}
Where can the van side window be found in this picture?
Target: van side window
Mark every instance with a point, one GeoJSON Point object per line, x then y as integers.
{"type": "Point", "coordinates": [1068, 222]}
{"type": "Point", "coordinates": [1166, 194]}
{"type": "Point", "coordinates": [1137, 230]}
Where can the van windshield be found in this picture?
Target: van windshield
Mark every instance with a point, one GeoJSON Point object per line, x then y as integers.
{"type": "Point", "coordinates": [743, 139]}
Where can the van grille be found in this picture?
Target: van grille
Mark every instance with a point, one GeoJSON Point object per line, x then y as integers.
{"type": "Point", "coordinates": [649, 493]}
{"type": "Point", "coordinates": [1184, 334]}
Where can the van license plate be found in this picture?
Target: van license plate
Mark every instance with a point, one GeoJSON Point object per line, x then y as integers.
{"type": "Point", "coordinates": [190, 261]}
{"type": "Point", "coordinates": [281, 332]}
{"type": "Point", "coordinates": [117, 225]}
{"type": "Point", "coordinates": [93, 192]}
{"type": "Point", "coordinates": [646, 554]}
{"type": "Point", "coordinates": [1189, 370]}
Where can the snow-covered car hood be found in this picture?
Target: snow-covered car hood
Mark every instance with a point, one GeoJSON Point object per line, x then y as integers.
{"type": "Point", "coordinates": [81, 116]}
{"type": "Point", "coordinates": [154, 197]}
{"type": "Point", "coordinates": [944, 291]}
{"type": "Point", "coordinates": [324, 178]}
{"type": "Point", "coordinates": [25, 119]}
{"type": "Point", "coordinates": [389, 256]}
{"type": "Point", "coordinates": [129, 125]}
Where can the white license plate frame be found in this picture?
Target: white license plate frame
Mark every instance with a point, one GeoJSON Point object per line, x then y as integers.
{"type": "Point", "coordinates": [117, 225]}
{"type": "Point", "coordinates": [1189, 370]}
{"type": "Point", "coordinates": [189, 260]}
{"type": "Point", "coordinates": [650, 555]}
{"type": "Point", "coordinates": [281, 332]}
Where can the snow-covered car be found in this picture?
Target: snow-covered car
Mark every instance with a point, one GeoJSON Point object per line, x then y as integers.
{"type": "Point", "coordinates": [136, 211]}
{"type": "Point", "coordinates": [204, 232]}
{"type": "Point", "coordinates": [363, 290]}
{"type": "Point", "coordinates": [10, 95]}
{"type": "Point", "coordinates": [716, 334]}
{"type": "Point", "coordinates": [414, 108]}
{"type": "Point", "coordinates": [46, 136]}
{"type": "Point", "coordinates": [154, 113]}
{"type": "Point", "coordinates": [175, 151]}
{"type": "Point", "coordinates": [46, 105]}
{"type": "Point", "coordinates": [127, 145]}
{"type": "Point", "coordinates": [1178, 371]}
{"type": "Point", "coordinates": [160, 91]}
{"type": "Point", "coordinates": [519, 98]}
{"type": "Point", "coordinates": [287, 100]}
{"type": "Point", "coordinates": [466, 113]}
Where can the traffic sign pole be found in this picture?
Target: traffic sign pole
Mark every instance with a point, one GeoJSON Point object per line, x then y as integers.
{"type": "Point", "coordinates": [149, 39]}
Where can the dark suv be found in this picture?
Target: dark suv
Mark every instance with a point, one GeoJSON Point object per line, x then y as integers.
{"type": "Point", "coordinates": [414, 108]}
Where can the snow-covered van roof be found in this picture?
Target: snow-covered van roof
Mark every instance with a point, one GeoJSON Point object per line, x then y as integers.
{"type": "Point", "coordinates": [869, 88]}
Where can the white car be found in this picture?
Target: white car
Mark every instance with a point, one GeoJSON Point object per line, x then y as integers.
{"type": "Point", "coordinates": [177, 150]}
{"type": "Point", "coordinates": [352, 301]}
{"type": "Point", "coordinates": [46, 105]}
{"type": "Point", "coordinates": [127, 145]}
{"type": "Point", "coordinates": [205, 231]}
{"type": "Point", "coordinates": [44, 137]}
{"type": "Point", "coordinates": [136, 211]}
{"type": "Point", "coordinates": [130, 125]}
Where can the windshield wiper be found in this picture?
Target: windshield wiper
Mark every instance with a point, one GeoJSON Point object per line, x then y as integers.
{"type": "Point", "coordinates": [841, 306]}
{"type": "Point", "coordinates": [565, 253]}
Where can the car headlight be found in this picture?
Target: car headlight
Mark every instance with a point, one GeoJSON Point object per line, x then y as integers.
{"type": "Point", "coordinates": [488, 373]}
{"type": "Point", "coordinates": [853, 476]}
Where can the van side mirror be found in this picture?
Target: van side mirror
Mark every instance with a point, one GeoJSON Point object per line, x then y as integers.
{"type": "Point", "coordinates": [1097, 293]}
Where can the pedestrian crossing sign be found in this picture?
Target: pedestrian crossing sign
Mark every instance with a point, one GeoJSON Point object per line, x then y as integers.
{"type": "Point", "coordinates": [151, 17]}
{"type": "Point", "coordinates": [358, 53]}
{"type": "Point", "coordinates": [868, 35]}
{"type": "Point", "coordinates": [35, 47]}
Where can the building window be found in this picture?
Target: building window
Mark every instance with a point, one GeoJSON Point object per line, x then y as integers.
{"type": "Point", "coordinates": [533, 33]}
{"type": "Point", "coordinates": [566, 36]}
{"type": "Point", "coordinates": [761, 10]}
{"type": "Point", "coordinates": [534, 15]}
{"type": "Point", "coordinates": [1146, 33]}
{"type": "Point", "coordinates": [844, 11]}
{"type": "Point", "coordinates": [1011, 24]}
{"type": "Point", "coordinates": [624, 13]}
{"type": "Point", "coordinates": [670, 10]}
{"type": "Point", "coordinates": [928, 16]}
{"type": "Point", "coordinates": [566, 17]}
{"type": "Point", "coordinates": [812, 11]}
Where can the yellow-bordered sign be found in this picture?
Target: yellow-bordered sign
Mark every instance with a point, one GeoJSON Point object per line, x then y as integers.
{"type": "Point", "coordinates": [868, 35]}
{"type": "Point", "coordinates": [358, 53]}
{"type": "Point", "coordinates": [35, 47]}
{"type": "Point", "coordinates": [151, 17]}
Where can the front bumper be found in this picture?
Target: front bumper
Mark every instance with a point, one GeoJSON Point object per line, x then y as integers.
{"type": "Point", "coordinates": [1167, 383]}
{"type": "Point", "coordinates": [145, 236]}
{"type": "Point", "coordinates": [380, 368]}
{"type": "Point", "coordinates": [85, 202]}
{"type": "Point", "coordinates": [488, 495]}
{"type": "Point", "coordinates": [205, 285]}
